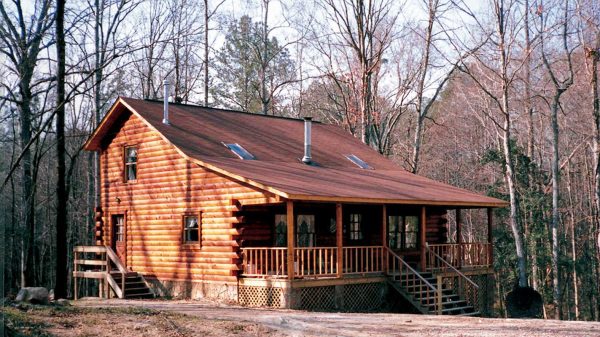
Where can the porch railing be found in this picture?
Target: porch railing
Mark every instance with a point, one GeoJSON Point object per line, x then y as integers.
{"type": "Point", "coordinates": [315, 261]}
{"type": "Point", "coordinates": [362, 259]}
{"type": "Point", "coordinates": [264, 262]}
{"type": "Point", "coordinates": [463, 255]}
{"type": "Point", "coordinates": [271, 262]}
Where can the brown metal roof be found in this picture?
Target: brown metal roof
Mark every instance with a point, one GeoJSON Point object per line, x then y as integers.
{"type": "Point", "coordinates": [277, 144]}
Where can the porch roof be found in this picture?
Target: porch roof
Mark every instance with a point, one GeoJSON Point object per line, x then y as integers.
{"type": "Point", "coordinates": [198, 133]}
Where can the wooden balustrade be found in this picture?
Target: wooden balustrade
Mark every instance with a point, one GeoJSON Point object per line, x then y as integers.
{"type": "Point", "coordinates": [464, 255]}
{"type": "Point", "coordinates": [271, 262]}
{"type": "Point", "coordinates": [315, 261]}
{"type": "Point", "coordinates": [98, 265]}
{"type": "Point", "coordinates": [264, 262]}
{"type": "Point", "coordinates": [362, 259]}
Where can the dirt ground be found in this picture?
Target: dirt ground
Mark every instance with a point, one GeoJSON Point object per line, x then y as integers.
{"type": "Point", "coordinates": [160, 318]}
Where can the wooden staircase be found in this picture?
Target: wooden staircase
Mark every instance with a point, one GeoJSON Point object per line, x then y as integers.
{"type": "Point", "coordinates": [426, 291]}
{"type": "Point", "coordinates": [101, 262]}
{"type": "Point", "coordinates": [135, 286]}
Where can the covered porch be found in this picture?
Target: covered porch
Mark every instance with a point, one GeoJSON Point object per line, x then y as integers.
{"type": "Point", "coordinates": [302, 241]}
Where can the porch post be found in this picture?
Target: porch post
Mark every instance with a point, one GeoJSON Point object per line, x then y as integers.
{"type": "Point", "coordinates": [384, 238]}
{"type": "Point", "coordinates": [339, 238]}
{"type": "Point", "coordinates": [490, 215]}
{"type": "Point", "coordinates": [423, 237]}
{"type": "Point", "coordinates": [459, 259]}
{"type": "Point", "coordinates": [290, 239]}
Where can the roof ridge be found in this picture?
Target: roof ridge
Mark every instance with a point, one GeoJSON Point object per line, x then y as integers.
{"type": "Point", "coordinates": [222, 109]}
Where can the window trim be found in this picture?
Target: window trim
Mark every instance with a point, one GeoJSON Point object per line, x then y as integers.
{"type": "Point", "coordinates": [191, 244]}
{"type": "Point", "coordinates": [126, 164]}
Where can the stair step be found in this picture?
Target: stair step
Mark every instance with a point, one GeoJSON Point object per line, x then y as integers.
{"type": "Point", "coordinates": [447, 310]}
{"type": "Point", "coordinates": [474, 313]}
{"type": "Point", "coordinates": [139, 295]}
{"type": "Point", "coordinates": [444, 304]}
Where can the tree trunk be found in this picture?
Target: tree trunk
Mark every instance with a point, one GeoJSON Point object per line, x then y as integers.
{"type": "Point", "coordinates": [60, 286]}
{"type": "Point", "coordinates": [556, 291]}
{"type": "Point", "coordinates": [206, 52]}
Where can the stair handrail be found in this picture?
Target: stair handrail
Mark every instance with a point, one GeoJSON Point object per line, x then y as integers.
{"type": "Point", "coordinates": [458, 272]}
{"type": "Point", "coordinates": [114, 258]}
{"type": "Point", "coordinates": [437, 291]}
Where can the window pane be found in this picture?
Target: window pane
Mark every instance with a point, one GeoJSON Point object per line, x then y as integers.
{"type": "Point", "coordinates": [280, 230]}
{"type": "Point", "coordinates": [191, 229]}
{"type": "Point", "coordinates": [131, 155]}
{"type": "Point", "coordinates": [131, 172]}
{"type": "Point", "coordinates": [355, 228]}
{"type": "Point", "coordinates": [358, 162]}
{"type": "Point", "coordinates": [240, 151]}
{"type": "Point", "coordinates": [306, 230]}
{"type": "Point", "coordinates": [411, 223]}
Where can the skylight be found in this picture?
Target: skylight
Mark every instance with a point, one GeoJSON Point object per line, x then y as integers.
{"type": "Point", "coordinates": [240, 151]}
{"type": "Point", "coordinates": [359, 162]}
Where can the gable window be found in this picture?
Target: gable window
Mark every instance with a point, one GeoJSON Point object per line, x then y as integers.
{"type": "Point", "coordinates": [239, 151]}
{"type": "Point", "coordinates": [131, 158]}
{"type": "Point", "coordinates": [355, 224]}
{"type": "Point", "coordinates": [306, 234]}
{"type": "Point", "coordinates": [191, 229]}
{"type": "Point", "coordinates": [403, 232]}
{"type": "Point", "coordinates": [280, 230]}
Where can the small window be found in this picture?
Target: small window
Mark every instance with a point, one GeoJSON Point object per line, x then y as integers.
{"type": "Point", "coordinates": [355, 230]}
{"type": "Point", "coordinates": [191, 229]}
{"type": "Point", "coordinates": [131, 157]}
{"type": "Point", "coordinates": [240, 151]}
{"type": "Point", "coordinates": [359, 162]}
{"type": "Point", "coordinates": [280, 230]}
{"type": "Point", "coordinates": [306, 233]}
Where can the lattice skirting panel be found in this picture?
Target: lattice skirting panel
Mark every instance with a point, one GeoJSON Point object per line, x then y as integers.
{"type": "Point", "coordinates": [316, 298]}
{"type": "Point", "coordinates": [364, 297]}
{"type": "Point", "coordinates": [260, 296]}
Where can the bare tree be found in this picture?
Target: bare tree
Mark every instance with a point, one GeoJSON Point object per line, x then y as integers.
{"type": "Point", "coordinates": [366, 28]}
{"type": "Point", "coordinates": [561, 85]}
{"type": "Point", "coordinates": [496, 83]}
{"type": "Point", "coordinates": [22, 42]}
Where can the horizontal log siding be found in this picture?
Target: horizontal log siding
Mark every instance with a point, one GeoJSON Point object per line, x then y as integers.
{"type": "Point", "coordinates": [437, 228]}
{"type": "Point", "coordinates": [168, 186]}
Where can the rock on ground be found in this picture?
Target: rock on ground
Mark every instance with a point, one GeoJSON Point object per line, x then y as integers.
{"type": "Point", "coordinates": [36, 295]}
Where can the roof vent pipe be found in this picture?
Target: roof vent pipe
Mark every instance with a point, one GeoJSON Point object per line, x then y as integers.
{"type": "Point", "coordinates": [307, 159]}
{"type": "Point", "coordinates": [166, 104]}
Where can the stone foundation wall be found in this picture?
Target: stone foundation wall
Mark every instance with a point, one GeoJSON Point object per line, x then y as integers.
{"type": "Point", "coordinates": [193, 290]}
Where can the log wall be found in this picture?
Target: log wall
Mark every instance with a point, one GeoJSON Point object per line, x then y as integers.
{"type": "Point", "coordinates": [168, 186]}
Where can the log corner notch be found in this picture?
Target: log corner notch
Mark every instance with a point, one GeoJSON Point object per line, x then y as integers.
{"type": "Point", "coordinates": [99, 225]}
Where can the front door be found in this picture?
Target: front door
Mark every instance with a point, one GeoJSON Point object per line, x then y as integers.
{"type": "Point", "coordinates": [119, 244]}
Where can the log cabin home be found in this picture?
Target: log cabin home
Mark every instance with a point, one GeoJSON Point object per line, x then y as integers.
{"type": "Point", "coordinates": [277, 212]}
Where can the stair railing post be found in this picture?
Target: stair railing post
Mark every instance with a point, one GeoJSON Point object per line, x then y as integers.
{"type": "Point", "coordinates": [108, 268]}
{"type": "Point", "coordinates": [439, 294]}
{"type": "Point", "coordinates": [123, 284]}
{"type": "Point", "coordinates": [75, 276]}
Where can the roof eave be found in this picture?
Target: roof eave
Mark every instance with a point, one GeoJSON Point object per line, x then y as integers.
{"type": "Point", "coordinates": [449, 203]}
{"type": "Point", "coordinates": [93, 141]}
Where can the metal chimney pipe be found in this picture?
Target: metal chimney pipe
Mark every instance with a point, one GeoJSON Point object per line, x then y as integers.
{"type": "Point", "coordinates": [307, 159]}
{"type": "Point", "coordinates": [166, 103]}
